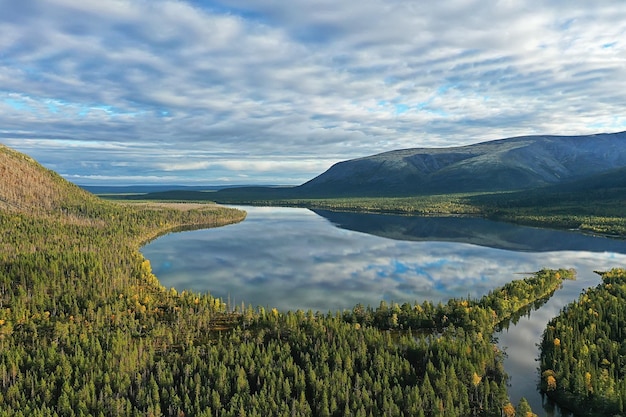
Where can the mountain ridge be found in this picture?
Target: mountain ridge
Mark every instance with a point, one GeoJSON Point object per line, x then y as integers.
{"type": "Point", "coordinates": [500, 165]}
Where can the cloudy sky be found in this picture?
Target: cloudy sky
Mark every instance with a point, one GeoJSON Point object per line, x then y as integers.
{"type": "Point", "coordinates": [274, 92]}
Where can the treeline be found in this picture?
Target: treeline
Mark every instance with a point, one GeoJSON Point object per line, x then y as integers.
{"type": "Point", "coordinates": [138, 355]}
{"type": "Point", "coordinates": [492, 309]}
{"type": "Point", "coordinates": [418, 205]}
{"type": "Point", "coordinates": [81, 312]}
{"type": "Point", "coordinates": [289, 365]}
{"type": "Point", "coordinates": [583, 350]}
{"type": "Point", "coordinates": [588, 211]}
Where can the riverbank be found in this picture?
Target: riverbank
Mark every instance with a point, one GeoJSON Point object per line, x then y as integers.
{"type": "Point", "coordinates": [598, 212]}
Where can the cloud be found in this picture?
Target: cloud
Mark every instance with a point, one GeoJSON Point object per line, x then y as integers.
{"type": "Point", "coordinates": [279, 80]}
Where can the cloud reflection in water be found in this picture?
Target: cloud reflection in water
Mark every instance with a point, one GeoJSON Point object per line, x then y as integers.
{"type": "Point", "coordinates": [294, 259]}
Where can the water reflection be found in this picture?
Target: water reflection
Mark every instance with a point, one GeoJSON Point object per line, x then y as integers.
{"type": "Point", "coordinates": [477, 231]}
{"type": "Point", "coordinates": [296, 259]}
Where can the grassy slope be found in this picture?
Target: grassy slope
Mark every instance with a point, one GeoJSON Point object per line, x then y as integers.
{"type": "Point", "coordinates": [27, 187]}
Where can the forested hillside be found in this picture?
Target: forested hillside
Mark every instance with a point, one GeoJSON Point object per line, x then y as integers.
{"type": "Point", "coordinates": [27, 187]}
{"type": "Point", "coordinates": [86, 328]}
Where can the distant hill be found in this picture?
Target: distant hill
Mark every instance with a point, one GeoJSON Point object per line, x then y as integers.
{"type": "Point", "coordinates": [136, 189]}
{"type": "Point", "coordinates": [499, 165]}
{"type": "Point", "coordinates": [171, 195]}
{"type": "Point", "coordinates": [157, 188]}
{"type": "Point", "coordinates": [28, 187]}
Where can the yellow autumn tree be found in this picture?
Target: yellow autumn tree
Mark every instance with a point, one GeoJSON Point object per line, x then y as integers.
{"type": "Point", "coordinates": [476, 379]}
{"type": "Point", "coordinates": [588, 384]}
{"type": "Point", "coordinates": [508, 410]}
{"type": "Point", "coordinates": [550, 379]}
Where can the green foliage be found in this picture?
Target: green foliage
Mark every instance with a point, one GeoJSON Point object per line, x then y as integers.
{"type": "Point", "coordinates": [583, 353]}
{"type": "Point", "coordinates": [418, 205]}
{"type": "Point", "coordinates": [86, 328]}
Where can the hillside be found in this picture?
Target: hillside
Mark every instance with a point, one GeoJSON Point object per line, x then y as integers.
{"type": "Point", "coordinates": [28, 187]}
{"type": "Point", "coordinates": [610, 180]}
{"type": "Point", "coordinates": [506, 164]}
{"type": "Point", "coordinates": [602, 194]}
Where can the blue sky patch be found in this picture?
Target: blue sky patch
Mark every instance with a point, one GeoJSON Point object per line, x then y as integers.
{"type": "Point", "coordinates": [17, 104]}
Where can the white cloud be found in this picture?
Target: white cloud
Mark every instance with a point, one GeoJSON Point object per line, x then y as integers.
{"type": "Point", "coordinates": [297, 165]}
{"type": "Point", "coordinates": [279, 80]}
{"type": "Point", "coordinates": [183, 166]}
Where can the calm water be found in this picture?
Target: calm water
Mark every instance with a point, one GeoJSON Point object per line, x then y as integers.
{"type": "Point", "coordinates": [294, 258]}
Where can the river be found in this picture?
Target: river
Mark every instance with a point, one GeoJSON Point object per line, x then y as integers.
{"type": "Point", "coordinates": [293, 258]}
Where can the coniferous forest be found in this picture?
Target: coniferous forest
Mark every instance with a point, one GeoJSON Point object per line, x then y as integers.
{"type": "Point", "coordinates": [583, 350]}
{"type": "Point", "coordinates": [87, 330]}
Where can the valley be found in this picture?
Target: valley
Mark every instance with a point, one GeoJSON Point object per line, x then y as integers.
{"type": "Point", "coordinates": [236, 208]}
{"type": "Point", "coordinates": [87, 328]}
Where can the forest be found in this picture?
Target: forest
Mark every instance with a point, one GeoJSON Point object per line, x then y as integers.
{"type": "Point", "coordinates": [583, 350]}
{"type": "Point", "coordinates": [86, 329]}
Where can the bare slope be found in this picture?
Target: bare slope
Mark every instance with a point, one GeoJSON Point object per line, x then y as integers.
{"type": "Point", "coordinates": [506, 164]}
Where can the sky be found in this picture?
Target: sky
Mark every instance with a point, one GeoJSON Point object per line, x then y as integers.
{"type": "Point", "coordinates": [112, 92]}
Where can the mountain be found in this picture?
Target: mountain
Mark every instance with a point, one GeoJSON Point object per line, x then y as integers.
{"type": "Point", "coordinates": [156, 188]}
{"type": "Point", "coordinates": [600, 193]}
{"type": "Point", "coordinates": [499, 165]}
